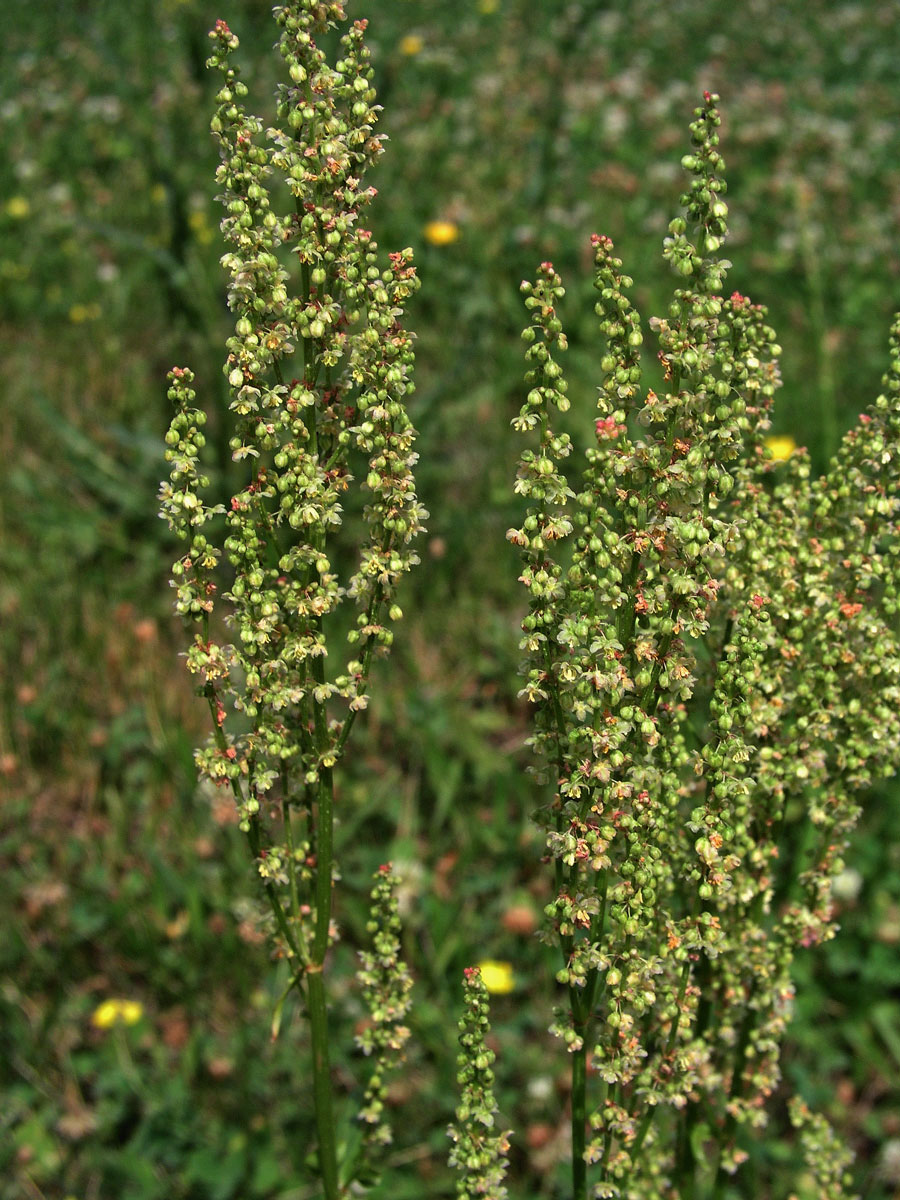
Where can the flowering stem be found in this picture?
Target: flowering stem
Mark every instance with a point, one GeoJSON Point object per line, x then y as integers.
{"type": "Point", "coordinates": [720, 1177]}
{"type": "Point", "coordinates": [253, 837]}
{"type": "Point", "coordinates": [324, 852]}
{"type": "Point", "coordinates": [364, 671]}
{"type": "Point", "coordinates": [685, 759]}
{"type": "Point", "coordinates": [289, 845]}
{"type": "Point", "coordinates": [315, 982]}
{"type": "Point", "coordinates": [581, 1015]}
{"type": "Point", "coordinates": [670, 1047]}
{"type": "Point", "coordinates": [478, 1153]}
{"type": "Point", "coordinates": [318, 368]}
{"type": "Point", "coordinates": [253, 834]}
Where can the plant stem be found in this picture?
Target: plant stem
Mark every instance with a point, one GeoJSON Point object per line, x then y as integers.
{"type": "Point", "coordinates": [685, 1161]}
{"type": "Point", "coordinates": [318, 1021]}
{"type": "Point", "coordinates": [315, 990]}
{"type": "Point", "coordinates": [324, 864]}
{"type": "Point", "coordinates": [315, 984]}
{"type": "Point", "coordinates": [579, 1117]}
{"type": "Point", "coordinates": [316, 1000]}
{"type": "Point", "coordinates": [720, 1177]}
{"type": "Point", "coordinates": [371, 613]}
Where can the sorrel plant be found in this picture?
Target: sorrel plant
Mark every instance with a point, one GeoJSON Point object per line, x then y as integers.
{"type": "Point", "coordinates": [709, 644]}
{"type": "Point", "coordinates": [712, 661]}
{"type": "Point", "coordinates": [318, 372]}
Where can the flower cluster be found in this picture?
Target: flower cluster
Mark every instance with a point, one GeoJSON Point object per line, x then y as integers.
{"type": "Point", "coordinates": [828, 1161]}
{"type": "Point", "coordinates": [713, 673]}
{"type": "Point", "coordinates": [318, 370]}
{"type": "Point", "coordinates": [478, 1153]}
{"type": "Point", "coordinates": [386, 984]}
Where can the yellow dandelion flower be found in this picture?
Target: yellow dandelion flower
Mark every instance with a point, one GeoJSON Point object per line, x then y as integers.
{"type": "Point", "coordinates": [781, 446]}
{"type": "Point", "coordinates": [106, 1014]}
{"type": "Point", "coordinates": [132, 1011]}
{"type": "Point", "coordinates": [497, 977]}
{"type": "Point", "coordinates": [441, 233]}
{"type": "Point", "coordinates": [17, 207]}
{"type": "Point", "coordinates": [117, 1012]}
{"type": "Point", "coordinates": [411, 45]}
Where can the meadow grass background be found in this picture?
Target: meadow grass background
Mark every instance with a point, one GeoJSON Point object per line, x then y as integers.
{"type": "Point", "coordinates": [528, 126]}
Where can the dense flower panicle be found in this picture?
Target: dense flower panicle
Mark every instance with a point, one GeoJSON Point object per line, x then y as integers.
{"type": "Point", "coordinates": [478, 1153]}
{"type": "Point", "coordinates": [713, 670]}
{"type": "Point", "coordinates": [318, 371]}
{"type": "Point", "coordinates": [319, 376]}
{"type": "Point", "coordinates": [386, 984]}
{"type": "Point", "coordinates": [827, 1160]}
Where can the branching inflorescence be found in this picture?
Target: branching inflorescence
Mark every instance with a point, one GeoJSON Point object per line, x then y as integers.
{"type": "Point", "coordinates": [478, 1152]}
{"type": "Point", "coordinates": [318, 371]}
{"type": "Point", "coordinates": [714, 673]}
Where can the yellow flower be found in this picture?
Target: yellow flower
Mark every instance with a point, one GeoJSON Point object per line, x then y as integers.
{"type": "Point", "coordinates": [17, 207]}
{"type": "Point", "coordinates": [412, 44]}
{"type": "Point", "coordinates": [441, 233]}
{"type": "Point", "coordinates": [781, 446]}
{"type": "Point", "coordinates": [497, 977]}
{"type": "Point", "coordinates": [117, 1012]}
{"type": "Point", "coordinates": [487, 6]}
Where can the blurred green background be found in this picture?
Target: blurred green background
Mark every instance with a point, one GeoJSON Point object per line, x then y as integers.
{"type": "Point", "coordinates": [521, 127]}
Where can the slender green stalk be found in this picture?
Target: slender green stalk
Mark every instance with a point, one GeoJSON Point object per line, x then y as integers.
{"type": "Point", "coordinates": [685, 1162]}
{"type": "Point", "coordinates": [581, 1017]}
{"type": "Point", "coordinates": [322, 1082]}
{"type": "Point", "coordinates": [315, 984]}
{"type": "Point", "coordinates": [579, 1120]}
{"type": "Point", "coordinates": [291, 849]}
